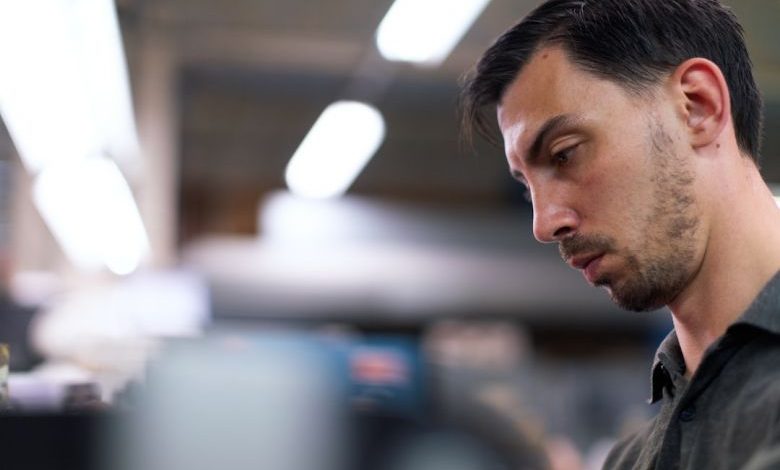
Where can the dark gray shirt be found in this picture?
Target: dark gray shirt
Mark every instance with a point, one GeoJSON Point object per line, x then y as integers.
{"type": "Point", "coordinates": [728, 416]}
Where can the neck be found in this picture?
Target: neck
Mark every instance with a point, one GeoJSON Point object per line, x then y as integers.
{"type": "Point", "coordinates": [742, 254]}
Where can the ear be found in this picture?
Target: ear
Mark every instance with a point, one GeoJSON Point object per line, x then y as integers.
{"type": "Point", "coordinates": [704, 96]}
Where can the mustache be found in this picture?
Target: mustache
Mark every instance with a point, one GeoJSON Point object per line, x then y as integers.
{"type": "Point", "coordinates": [579, 244]}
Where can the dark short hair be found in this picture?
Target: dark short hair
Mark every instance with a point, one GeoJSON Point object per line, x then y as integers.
{"type": "Point", "coordinates": [634, 43]}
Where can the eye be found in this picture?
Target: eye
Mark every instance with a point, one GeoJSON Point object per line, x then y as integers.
{"type": "Point", "coordinates": [563, 157]}
{"type": "Point", "coordinates": [526, 192]}
{"type": "Point", "coordinates": [521, 179]}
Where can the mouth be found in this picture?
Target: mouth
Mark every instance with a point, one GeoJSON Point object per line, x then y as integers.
{"type": "Point", "coordinates": [588, 264]}
{"type": "Point", "coordinates": [582, 262]}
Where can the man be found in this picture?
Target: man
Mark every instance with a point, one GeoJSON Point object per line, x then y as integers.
{"type": "Point", "coordinates": [635, 125]}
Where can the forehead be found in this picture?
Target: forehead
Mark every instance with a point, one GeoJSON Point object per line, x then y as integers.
{"type": "Point", "coordinates": [548, 70]}
{"type": "Point", "coordinates": [551, 85]}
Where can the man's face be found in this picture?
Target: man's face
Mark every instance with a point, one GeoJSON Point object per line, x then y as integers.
{"type": "Point", "coordinates": [609, 177]}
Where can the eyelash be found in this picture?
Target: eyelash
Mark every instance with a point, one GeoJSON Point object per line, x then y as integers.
{"type": "Point", "coordinates": [560, 158]}
{"type": "Point", "coordinates": [563, 157]}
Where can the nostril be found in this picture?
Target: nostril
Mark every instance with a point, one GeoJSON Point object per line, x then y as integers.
{"type": "Point", "coordinates": [562, 232]}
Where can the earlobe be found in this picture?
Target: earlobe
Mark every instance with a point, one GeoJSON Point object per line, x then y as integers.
{"type": "Point", "coordinates": [707, 105]}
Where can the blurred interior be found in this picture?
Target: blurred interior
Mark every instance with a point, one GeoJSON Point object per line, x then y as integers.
{"type": "Point", "coordinates": [448, 332]}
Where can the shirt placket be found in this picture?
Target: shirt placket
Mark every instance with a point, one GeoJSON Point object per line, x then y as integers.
{"type": "Point", "coordinates": [681, 434]}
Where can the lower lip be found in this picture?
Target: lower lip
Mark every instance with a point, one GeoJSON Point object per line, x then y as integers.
{"type": "Point", "coordinates": [591, 269]}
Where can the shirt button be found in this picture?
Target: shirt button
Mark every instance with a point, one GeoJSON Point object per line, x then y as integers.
{"type": "Point", "coordinates": [687, 414]}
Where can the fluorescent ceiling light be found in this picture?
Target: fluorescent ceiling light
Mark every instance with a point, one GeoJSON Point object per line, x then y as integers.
{"type": "Point", "coordinates": [64, 92]}
{"type": "Point", "coordinates": [65, 100]}
{"type": "Point", "coordinates": [425, 31]}
{"type": "Point", "coordinates": [90, 210]}
{"type": "Point", "coordinates": [336, 149]}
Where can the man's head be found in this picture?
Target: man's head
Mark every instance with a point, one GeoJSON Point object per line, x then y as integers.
{"type": "Point", "coordinates": [612, 112]}
{"type": "Point", "coordinates": [631, 42]}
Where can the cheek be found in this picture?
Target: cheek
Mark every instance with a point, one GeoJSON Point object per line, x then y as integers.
{"type": "Point", "coordinates": [617, 199]}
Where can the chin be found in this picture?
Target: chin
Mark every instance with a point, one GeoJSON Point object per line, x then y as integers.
{"type": "Point", "coordinates": [636, 302]}
{"type": "Point", "coordinates": [635, 299]}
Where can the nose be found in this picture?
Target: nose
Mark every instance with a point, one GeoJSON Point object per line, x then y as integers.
{"type": "Point", "coordinates": [553, 220]}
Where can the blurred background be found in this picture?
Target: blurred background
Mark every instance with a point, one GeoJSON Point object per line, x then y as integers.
{"type": "Point", "coordinates": [264, 206]}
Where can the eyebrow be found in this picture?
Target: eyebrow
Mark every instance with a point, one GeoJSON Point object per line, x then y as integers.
{"type": "Point", "coordinates": [551, 126]}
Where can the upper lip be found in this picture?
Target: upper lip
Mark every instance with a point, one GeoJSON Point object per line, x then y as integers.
{"type": "Point", "coordinates": [580, 262]}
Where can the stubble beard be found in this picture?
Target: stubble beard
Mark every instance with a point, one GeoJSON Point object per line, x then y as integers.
{"type": "Point", "coordinates": [655, 273]}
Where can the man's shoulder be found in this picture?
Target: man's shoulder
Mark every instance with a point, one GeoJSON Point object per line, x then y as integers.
{"type": "Point", "coordinates": [744, 402]}
{"type": "Point", "coordinates": [751, 382]}
{"type": "Point", "coordinates": [755, 366]}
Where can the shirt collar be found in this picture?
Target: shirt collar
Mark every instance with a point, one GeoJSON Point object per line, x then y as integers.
{"type": "Point", "coordinates": [669, 364]}
{"type": "Point", "coordinates": [668, 367]}
{"type": "Point", "coordinates": [764, 312]}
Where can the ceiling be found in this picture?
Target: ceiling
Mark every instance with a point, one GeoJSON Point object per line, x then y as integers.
{"type": "Point", "coordinates": [332, 36]}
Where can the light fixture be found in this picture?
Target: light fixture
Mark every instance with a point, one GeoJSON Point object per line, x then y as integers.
{"type": "Point", "coordinates": [64, 92]}
{"type": "Point", "coordinates": [65, 100]}
{"type": "Point", "coordinates": [425, 31]}
{"type": "Point", "coordinates": [90, 210]}
{"type": "Point", "coordinates": [336, 149]}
